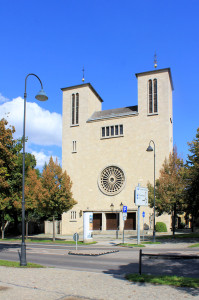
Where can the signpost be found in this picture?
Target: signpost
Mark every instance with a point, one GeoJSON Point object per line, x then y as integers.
{"type": "Point", "coordinates": [124, 218]}
{"type": "Point", "coordinates": [143, 215]}
{"type": "Point", "coordinates": [76, 238]}
{"type": "Point", "coordinates": [141, 199]}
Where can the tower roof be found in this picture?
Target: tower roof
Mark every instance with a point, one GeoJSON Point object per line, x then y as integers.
{"type": "Point", "coordinates": [157, 71]}
{"type": "Point", "coordinates": [81, 86]}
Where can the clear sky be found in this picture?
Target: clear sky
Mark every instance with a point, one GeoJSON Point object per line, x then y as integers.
{"type": "Point", "coordinates": [113, 40]}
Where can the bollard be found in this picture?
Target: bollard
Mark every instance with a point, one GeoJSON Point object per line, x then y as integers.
{"type": "Point", "coordinates": [140, 262]}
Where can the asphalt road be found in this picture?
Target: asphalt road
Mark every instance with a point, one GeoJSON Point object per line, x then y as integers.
{"type": "Point", "coordinates": [119, 263]}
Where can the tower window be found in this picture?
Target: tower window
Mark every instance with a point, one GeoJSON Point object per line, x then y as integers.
{"type": "Point", "coordinates": [74, 146]}
{"type": "Point", "coordinates": [75, 109]}
{"type": "Point", "coordinates": [152, 96]}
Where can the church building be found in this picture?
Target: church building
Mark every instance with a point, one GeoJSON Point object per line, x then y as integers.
{"type": "Point", "coordinates": [104, 151]}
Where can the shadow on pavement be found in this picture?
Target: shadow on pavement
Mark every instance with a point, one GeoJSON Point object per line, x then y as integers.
{"type": "Point", "coordinates": [185, 268]}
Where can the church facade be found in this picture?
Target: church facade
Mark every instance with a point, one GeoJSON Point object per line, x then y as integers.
{"type": "Point", "coordinates": [104, 151]}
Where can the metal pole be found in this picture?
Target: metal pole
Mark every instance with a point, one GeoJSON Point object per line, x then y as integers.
{"type": "Point", "coordinates": [140, 262]}
{"type": "Point", "coordinates": [154, 198]}
{"type": "Point", "coordinates": [23, 246]}
{"type": "Point", "coordinates": [138, 230]}
{"type": "Point", "coordinates": [23, 261]}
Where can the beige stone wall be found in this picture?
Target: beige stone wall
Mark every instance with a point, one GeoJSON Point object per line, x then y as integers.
{"type": "Point", "coordinates": [127, 152]}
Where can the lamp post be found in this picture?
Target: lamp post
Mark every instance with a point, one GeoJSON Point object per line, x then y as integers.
{"type": "Point", "coordinates": [41, 96]}
{"type": "Point", "coordinates": [150, 149]}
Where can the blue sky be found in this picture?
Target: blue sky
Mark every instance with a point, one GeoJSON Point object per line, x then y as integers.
{"type": "Point", "coordinates": [113, 40]}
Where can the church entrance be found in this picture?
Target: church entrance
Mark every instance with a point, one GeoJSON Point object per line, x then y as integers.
{"type": "Point", "coordinates": [130, 223]}
{"type": "Point", "coordinates": [112, 221]}
{"type": "Point", "coordinates": [97, 221]}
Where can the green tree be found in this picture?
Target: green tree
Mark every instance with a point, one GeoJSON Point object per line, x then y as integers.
{"type": "Point", "coordinates": [169, 187]}
{"type": "Point", "coordinates": [58, 186]}
{"type": "Point", "coordinates": [191, 195]}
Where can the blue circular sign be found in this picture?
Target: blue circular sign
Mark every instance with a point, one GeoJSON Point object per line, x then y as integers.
{"type": "Point", "coordinates": [143, 214]}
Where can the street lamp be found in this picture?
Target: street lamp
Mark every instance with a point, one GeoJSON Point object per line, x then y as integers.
{"type": "Point", "coordinates": [150, 149]}
{"type": "Point", "coordinates": [41, 96]}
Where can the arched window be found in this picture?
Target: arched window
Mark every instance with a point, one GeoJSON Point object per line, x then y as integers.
{"type": "Point", "coordinates": [75, 109]}
{"type": "Point", "coordinates": [152, 96]}
{"type": "Point", "coordinates": [155, 101]}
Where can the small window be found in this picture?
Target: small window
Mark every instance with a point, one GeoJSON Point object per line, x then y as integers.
{"type": "Point", "coordinates": [121, 129]}
{"type": "Point", "coordinates": [77, 108]}
{"type": "Point", "coordinates": [73, 109]}
{"type": "Point", "coordinates": [74, 146]}
{"type": "Point", "coordinates": [112, 130]}
{"type": "Point", "coordinates": [107, 131]}
{"type": "Point", "coordinates": [103, 131]}
{"type": "Point", "coordinates": [150, 97]}
{"type": "Point", "coordinates": [73, 215]}
{"type": "Point", "coordinates": [116, 130]}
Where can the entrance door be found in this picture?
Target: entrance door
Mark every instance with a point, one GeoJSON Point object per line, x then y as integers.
{"type": "Point", "coordinates": [112, 221]}
{"type": "Point", "coordinates": [130, 223]}
{"type": "Point", "coordinates": [97, 221]}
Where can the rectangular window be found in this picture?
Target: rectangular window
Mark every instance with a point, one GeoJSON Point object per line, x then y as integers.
{"type": "Point", "coordinates": [75, 109]}
{"type": "Point", "coordinates": [74, 146]}
{"type": "Point", "coordinates": [107, 131]}
{"type": "Point", "coordinates": [121, 129]}
{"type": "Point", "coordinates": [73, 215]}
{"type": "Point", "coordinates": [103, 131]}
{"type": "Point", "coordinates": [116, 130]}
{"type": "Point", "coordinates": [155, 95]}
{"type": "Point", "coordinates": [112, 131]}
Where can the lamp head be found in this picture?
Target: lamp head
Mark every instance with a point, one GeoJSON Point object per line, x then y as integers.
{"type": "Point", "coordinates": [41, 96]}
{"type": "Point", "coordinates": [149, 149]}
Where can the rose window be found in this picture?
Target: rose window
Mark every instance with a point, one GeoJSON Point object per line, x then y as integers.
{"type": "Point", "coordinates": [111, 180]}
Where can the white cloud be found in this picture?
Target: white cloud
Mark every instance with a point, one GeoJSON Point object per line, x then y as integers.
{"type": "Point", "coordinates": [42, 127]}
{"type": "Point", "coordinates": [3, 99]}
{"type": "Point", "coordinates": [42, 158]}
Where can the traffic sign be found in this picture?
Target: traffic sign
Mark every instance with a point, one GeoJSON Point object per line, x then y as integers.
{"type": "Point", "coordinates": [124, 209]}
{"type": "Point", "coordinates": [75, 236]}
{"type": "Point", "coordinates": [124, 217]}
{"type": "Point", "coordinates": [143, 214]}
{"type": "Point", "coordinates": [141, 196]}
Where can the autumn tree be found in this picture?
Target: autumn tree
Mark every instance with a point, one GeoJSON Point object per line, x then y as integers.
{"type": "Point", "coordinates": [169, 187]}
{"type": "Point", "coordinates": [58, 186]}
{"type": "Point", "coordinates": [191, 195]}
{"type": "Point", "coordinates": [34, 196]}
{"type": "Point", "coordinates": [8, 156]}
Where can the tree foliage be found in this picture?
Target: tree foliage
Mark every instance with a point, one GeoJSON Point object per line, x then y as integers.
{"type": "Point", "coordinates": [169, 186]}
{"type": "Point", "coordinates": [191, 195]}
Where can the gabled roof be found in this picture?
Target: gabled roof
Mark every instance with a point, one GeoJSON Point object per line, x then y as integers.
{"type": "Point", "coordinates": [114, 113]}
{"type": "Point", "coordinates": [81, 86]}
{"type": "Point", "coordinates": [158, 71]}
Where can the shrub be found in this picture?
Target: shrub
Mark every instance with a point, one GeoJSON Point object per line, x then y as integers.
{"type": "Point", "coordinates": [160, 227]}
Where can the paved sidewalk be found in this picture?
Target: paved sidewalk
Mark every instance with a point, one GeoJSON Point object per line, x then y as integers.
{"type": "Point", "coordinates": [54, 283]}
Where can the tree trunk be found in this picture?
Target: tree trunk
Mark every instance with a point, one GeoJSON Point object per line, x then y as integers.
{"type": "Point", "coordinates": [2, 230]}
{"type": "Point", "coordinates": [174, 219]}
{"type": "Point", "coordinates": [53, 228]}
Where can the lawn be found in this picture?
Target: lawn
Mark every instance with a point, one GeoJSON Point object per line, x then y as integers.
{"type": "Point", "coordinates": [14, 264]}
{"type": "Point", "coordinates": [165, 280]}
{"type": "Point", "coordinates": [46, 240]}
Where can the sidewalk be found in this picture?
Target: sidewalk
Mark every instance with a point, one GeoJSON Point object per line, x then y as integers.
{"type": "Point", "coordinates": [54, 283]}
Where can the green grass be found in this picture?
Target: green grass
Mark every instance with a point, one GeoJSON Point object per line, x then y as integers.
{"type": "Point", "coordinates": [150, 243]}
{"type": "Point", "coordinates": [193, 246]}
{"type": "Point", "coordinates": [165, 280]}
{"type": "Point", "coordinates": [46, 241]}
{"type": "Point", "coordinates": [14, 264]}
{"type": "Point", "coordinates": [130, 245]}
{"type": "Point", "coordinates": [178, 236]}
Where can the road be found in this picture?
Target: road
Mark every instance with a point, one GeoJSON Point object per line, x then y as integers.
{"type": "Point", "coordinates": [119, 263]}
